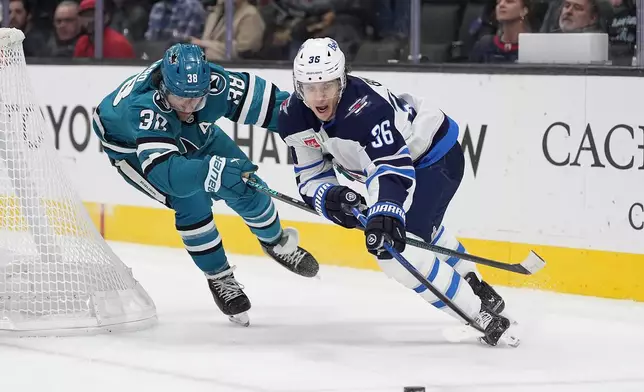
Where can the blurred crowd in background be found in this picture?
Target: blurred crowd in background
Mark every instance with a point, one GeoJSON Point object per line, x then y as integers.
{"type": "Point", "coordinates": [369, 31]}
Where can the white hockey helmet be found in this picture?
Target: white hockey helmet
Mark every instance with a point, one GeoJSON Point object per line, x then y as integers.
{"type": "Point", "coordinates": [318, 60]}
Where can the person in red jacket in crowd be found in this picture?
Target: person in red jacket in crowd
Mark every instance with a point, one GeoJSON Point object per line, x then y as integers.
{"type": "Point", "coordinates": [115, 45]}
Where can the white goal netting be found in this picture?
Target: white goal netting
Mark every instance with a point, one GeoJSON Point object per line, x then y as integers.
{"type": "Point", "coordinates": [57, 274]}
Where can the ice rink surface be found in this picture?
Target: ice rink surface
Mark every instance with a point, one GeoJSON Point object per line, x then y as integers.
{"type": "Point", "coordinates": [346, 331]}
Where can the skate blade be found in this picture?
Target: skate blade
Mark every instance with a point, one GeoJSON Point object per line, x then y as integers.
{"type": "Point", "coordinates": [240, 319]}
{"type": "Point", "coordinates": [505, 339]}
{"type": "Point", "coordinates": [466, 333]}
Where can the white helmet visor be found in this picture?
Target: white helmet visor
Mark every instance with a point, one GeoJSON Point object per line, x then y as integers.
{"type": "Point", "coordinates": [186, 105]}
{"type": "Point", "coordinates": [319, 91]}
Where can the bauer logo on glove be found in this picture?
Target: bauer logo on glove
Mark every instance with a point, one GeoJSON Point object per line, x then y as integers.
{"type": "Point", "coordinates": [213, 181]}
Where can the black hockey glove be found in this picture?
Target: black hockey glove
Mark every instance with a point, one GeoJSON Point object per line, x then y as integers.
{"type": "Point", "coordinates": [385, 224]}
{"type": "Point", "coordinates": [328, 201]}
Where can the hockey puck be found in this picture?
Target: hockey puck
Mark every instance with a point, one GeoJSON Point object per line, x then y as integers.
{"type": "Point", "coordinates": [414, 389]}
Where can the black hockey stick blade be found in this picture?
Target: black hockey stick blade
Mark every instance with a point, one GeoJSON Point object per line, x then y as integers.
{"type": "Point", "coordinates": [532, 264]}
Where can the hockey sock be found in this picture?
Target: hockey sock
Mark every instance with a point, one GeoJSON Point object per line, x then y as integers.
{"type": "Point", "coordinates": [444, 238]}
{"type": "Point", "coordinates": [203, 243]}
{"type": "Point", "coordinates": [445, 278]}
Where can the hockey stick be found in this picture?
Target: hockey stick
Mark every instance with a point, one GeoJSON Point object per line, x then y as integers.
{"type": "Point", "coordinates": [530, 265]}
{"type": "Point", "coordinates": [508, 339]}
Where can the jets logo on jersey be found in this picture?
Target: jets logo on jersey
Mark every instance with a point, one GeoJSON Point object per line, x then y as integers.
{"type": "Point", "coordinates": [217, 84]}
{"type": "Point", "coordinates": [358, 106]}
{"type": "Point", "coordinates": [311, 141]}
{"type": "Point", "coordinates": [161, 102]}
{"type": "Point", "coordinates": [284, 105]}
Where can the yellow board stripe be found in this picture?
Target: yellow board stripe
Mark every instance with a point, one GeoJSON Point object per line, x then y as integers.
{"type": "Point", "coordinates": [576, 271]}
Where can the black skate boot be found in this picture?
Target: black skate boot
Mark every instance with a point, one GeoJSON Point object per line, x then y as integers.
{"type": "Point", "coordinates": [292, 257]}
{"type": "Point", "coordinates": [229, 296]}
{"type": "Point", "coordinates": [490, 299]}
{"type": "Point", "coordinates": [495, 327]}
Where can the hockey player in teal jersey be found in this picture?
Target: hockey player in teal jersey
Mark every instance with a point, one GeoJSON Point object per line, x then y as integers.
{"type": "Point", "coordinates": [158, 130]}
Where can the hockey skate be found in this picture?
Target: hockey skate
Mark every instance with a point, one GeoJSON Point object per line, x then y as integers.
{"type": "Point", "coordinates": [496, 327]}
{"type": "Point", "coordinates": [291, 256]}
{"type": "Point", "coordinates": [490, 299]}
{"type": "Point", "coordinates": [229, 297]}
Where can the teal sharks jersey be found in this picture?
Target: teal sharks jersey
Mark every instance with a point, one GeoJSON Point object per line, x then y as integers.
{"type": "Point", "coordinates": [135, 122]}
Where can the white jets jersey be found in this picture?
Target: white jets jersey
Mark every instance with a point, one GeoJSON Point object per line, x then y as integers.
{"type": "Point", "coordinates": [376, 137]}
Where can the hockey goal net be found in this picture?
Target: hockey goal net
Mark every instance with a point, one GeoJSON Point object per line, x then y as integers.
{"type": "Point", "coordinates": [57, 274]}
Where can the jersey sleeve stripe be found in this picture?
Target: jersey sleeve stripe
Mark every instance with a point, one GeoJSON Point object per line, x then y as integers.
{"type": "Point", "coordinates": [315, 180]}
{"type": "Point", "coordinates": [257, 102]}
{"type": "Point", "coordinates": [271, 107]}
{"type": "Point", "coordinates": [400, 154]}
{"type": "Point", "coordinates": [235, 116]}
{"type": "Point", "coordinates": [248, 100]}
{"type": "Point", "coordinates": [119, 149]}
{"type": "Point", "coordinates": [405, 171]}
{"type": "Point", "coordinates": [298, 169]}
{"type": "Point", "coordinates": [155, 159]}
{"type": "Point", "coordinates": [265, 100]}
{"type": "Point", "coordinates": [99, 123]}
{"type": "Point", "coordinates": [155, 139]}
{"type": "Point", "coordinates": [156, 146]}
{"type": "Point", "coordinates": [398, 161]}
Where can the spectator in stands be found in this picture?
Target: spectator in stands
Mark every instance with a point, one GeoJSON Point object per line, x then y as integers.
{"type": "Point", "coordinates": [503, 47]}
{"type": "Point", "coordinates": [342, 20]}
{"type": "Point", "coordinates": [579, 16]}
{"type": "Point", "coordinates": [66, 30]}
{"type": "Point", "coordinates": [248, 31]}
{"type": "Point", "coordinates": [622, 32]}
{"type": "Point", "coordinates": [115, 45]}
{"type": "Point", "coordinates": [392, 19]}
{"type": "Point", "coordinates": [20, 17]}
{"type": "Point", "coordinates": [576, 16]}
{"type": "Point", "coordinates": [175, 20]}
{"type": "Point", "coordinates": [130, 18]}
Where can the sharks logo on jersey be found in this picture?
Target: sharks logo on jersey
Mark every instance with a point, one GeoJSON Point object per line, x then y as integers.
{"type": "Point", "coordinates": [161, 103]}
{"type": "Point", "coordinates": [217, 84]}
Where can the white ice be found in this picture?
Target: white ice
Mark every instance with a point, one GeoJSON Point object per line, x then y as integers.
{"type": "Point", "coordinates": [349, 330]}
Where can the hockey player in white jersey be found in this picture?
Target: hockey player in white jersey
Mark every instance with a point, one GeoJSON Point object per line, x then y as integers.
{"type": "Point", "coordinates": [406, 153]}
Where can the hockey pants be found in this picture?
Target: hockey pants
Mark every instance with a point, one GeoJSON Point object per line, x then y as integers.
{"type": "Point", "coordinates": [193, 215]}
